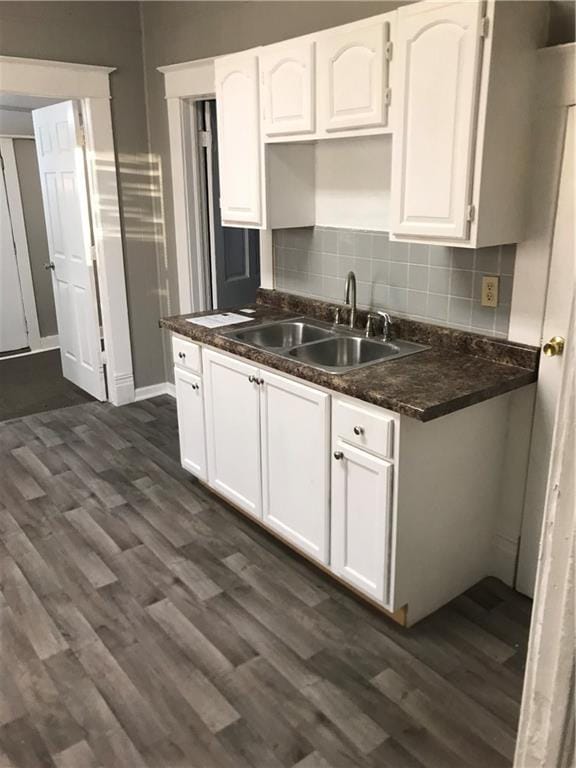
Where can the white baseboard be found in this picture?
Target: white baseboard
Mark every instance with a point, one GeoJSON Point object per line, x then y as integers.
{"type": "Point", "coordinates": [504, 554]}
{"type": "Point", "coordinates": [49, 342]}
{"type": "Point", "coordinates": [154, 390]}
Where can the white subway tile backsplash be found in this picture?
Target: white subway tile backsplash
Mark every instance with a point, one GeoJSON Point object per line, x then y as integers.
{"type": "Point", "coordinates": [428, 282]}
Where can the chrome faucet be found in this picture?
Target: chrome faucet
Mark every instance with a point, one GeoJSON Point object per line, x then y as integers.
{"type": "Point", "coordinates": [386, 326]}
{"type": "Point", "coordinates": [350, 297]}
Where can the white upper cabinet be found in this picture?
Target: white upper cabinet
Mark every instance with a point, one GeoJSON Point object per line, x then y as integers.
{"type": "Point", "coordinates": [438, 51]}
{"type": "Point", "coordinates": [239, 146]}
{"type": "Point", "coordinates": [353, 76]}
{"type": "Point", "coordinates": [288, 92]}
{"type": "Point", "coordinates": [295, 463]}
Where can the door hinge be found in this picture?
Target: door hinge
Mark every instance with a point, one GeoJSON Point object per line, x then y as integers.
{"type": "Point", "coordinates": [471, 213]}
{"type": "Point", "coordinates": [389, 50]}
{"type": "Point", "coordinates": [388, 96]}
{"type": "Point", "coordinates": [205, 138]}
{"type": "Point", "coordinates": [2, 163]}
{"type": "Point", "coordinates": [93, 252]}
{"type": "Point", "coordinates": [81, 136]}
{"type": "Point", "coordinates": [485, 26]}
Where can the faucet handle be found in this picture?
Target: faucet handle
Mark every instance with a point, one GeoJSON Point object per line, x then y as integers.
{"type": "Point", "coordinates": [370, 330]}
{"type": "Point", "coordinates": [337, 315]}
{"type": "Point", "coordinates": [386, 324]}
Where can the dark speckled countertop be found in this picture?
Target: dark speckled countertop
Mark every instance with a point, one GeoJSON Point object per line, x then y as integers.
{"type": "Point", "coordinates": [459, 370]}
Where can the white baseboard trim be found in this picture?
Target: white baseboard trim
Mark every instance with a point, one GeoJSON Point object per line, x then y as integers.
{"type": "Point", "coordinates": [155, 390]}
{"type": "Point", "coordinates": [504, 555]}
{"type": "Point", "coordinates": [36, 350]}
{"type": "Point", "coordinates": [49, 342]}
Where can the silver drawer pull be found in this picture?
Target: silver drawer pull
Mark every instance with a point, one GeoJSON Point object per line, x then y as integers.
{"type": "Point", "coordinates": [358, 430]}
{"type": "Point", "coordinates": [338, 455]}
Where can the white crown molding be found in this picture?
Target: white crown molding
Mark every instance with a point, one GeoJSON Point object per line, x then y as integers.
{"type": "Point", "coordinates": [57, 79]}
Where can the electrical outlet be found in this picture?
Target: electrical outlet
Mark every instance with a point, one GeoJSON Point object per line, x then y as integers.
{"type": "Point", "coordinates": [490, 287]}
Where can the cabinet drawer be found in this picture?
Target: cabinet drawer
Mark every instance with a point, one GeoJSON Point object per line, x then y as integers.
{"type": "Point", "coordinates": [186, 354]}
{"type": "Point", "coordinates": [364, 427]}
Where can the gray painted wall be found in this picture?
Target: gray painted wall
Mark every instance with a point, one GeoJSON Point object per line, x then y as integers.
{"type": "Point", "coordinates": [31, 194]}
{"type": "Point", "coordinates": [108, 33]}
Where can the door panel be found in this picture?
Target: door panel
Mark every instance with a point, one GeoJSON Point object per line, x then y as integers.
{"type": "Point", "coordinates": [288, 91]}
{"type": "Point", "coordinates": [559, 297]}
{"type": "Point", "coordinates": [235, 252]}
{"type": "Point", "coordinates": [189, 399]}
{"type": "Point", "coordinates": [361, 510]}
{"type": "Point", "coordinates": [352, 77]}
{"type": "Point", "coordinates": [65, 197]}
{"type": "Point", "coordinates": [438, 60]}
{"type": "Point", "coordinates": [237, 98]}
{"type": "Point", "coordinates": [295, 463]}
{"type": "Point", "coordinates": [232, 404]}
{"type": "Point", "coordinates": [13, 332]}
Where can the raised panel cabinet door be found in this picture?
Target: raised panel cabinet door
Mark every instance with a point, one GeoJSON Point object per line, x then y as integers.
{"type": "Point", "coordinates": [438, 68]}
{"type": "Point", "coordinates": [189, 401]}
{"type": "Point", "coordinates": [295, 463]}
{"type": "Point", "coordinates": [353, 77]}
{"type": "Point", "coordinates": [232, 404]}
{"type": "Point", "coordinates": [361, 519]}
{"type": "Point", "coordinates": [237, 104]}
{"type": "Point", "coordinates": [288, 93]}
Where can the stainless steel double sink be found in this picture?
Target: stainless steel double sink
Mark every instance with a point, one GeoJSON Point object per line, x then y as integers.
{"type": "Point", "coordinates": [333, 349]}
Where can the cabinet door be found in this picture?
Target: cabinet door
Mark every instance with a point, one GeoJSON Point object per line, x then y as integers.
{"type": "Point", "coordinates": [232, 399]}
{"type": "Point", "coordinates": [438, 58]}
{"type": "Point", "coordinates": [352, 77]}
{"type": "Point", "coordinates": [295, 463]}
{"type": "Point", "coordinates": [189, 401]}
{"type": "Point", "coordinates": [237, 105]}
{"type": "Point", "coordinates": [361, 513]}
{"type": "Point", "coordinates": [288, 103]}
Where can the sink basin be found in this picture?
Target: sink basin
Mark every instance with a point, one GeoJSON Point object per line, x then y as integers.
{"type": "Point", "coordinates": [347, 353]}
{"type": "Point", "coordinates": [280, 335]}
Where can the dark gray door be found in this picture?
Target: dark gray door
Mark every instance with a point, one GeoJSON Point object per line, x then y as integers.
{"type": "Point", "coordinates": [234, 252]}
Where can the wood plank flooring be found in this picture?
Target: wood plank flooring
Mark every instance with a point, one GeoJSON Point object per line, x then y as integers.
{"type": "Point", "coordinates": [146, 625]}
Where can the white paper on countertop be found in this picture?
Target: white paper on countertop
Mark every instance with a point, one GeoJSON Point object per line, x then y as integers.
{"type": "Point", "coordinates": [216, 321]}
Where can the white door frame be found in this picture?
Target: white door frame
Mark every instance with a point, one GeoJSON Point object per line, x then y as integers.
{"type": "Point", "coordinates": [21, 243]}
{"type": "Point", "coordinates": [90, 85]}
{"type": "Point", "coordinates": [184, 83]}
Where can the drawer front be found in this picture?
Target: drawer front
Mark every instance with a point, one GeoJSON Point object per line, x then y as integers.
{"type": "Point", "coordinates": [364, 427]}
{"type": "Point", "coordinates": [186, 354]}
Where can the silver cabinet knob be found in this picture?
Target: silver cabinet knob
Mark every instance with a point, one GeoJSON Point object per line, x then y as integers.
{"type": "Point", "coordinates": [338, 455]}
{"type": "Point", "coordinates": [50, 265]}
{"type": "Point", "coordinates": [182, 355]}
{"type": "Point", "coordinates": [252, 379]}
{"type": "Point", "coordinates": [259, 382]}
{"type": "Point", "coordinates": [195, 386]}
{"type": "Point", "coordinates": [358, 430]}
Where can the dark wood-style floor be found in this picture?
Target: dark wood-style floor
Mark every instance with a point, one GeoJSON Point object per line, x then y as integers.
{"type": "Point", "coordinates": [34, 383]}
{"type": "Point", "coordinates": [144, 623]}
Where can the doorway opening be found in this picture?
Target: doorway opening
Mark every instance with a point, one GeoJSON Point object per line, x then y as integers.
{"type": "Point", "coordinates": [230, 255]}
{"type": "Point", "coordinates": [50, 330]}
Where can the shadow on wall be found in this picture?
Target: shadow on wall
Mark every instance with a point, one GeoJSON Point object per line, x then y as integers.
{"type": "Point", "coordinates": [141, 218]}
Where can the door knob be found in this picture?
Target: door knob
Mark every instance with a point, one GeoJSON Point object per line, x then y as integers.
{"type": "Point", "coordinates": [554, 347]}
{"type": "Point", "coordinates": [338, 455]}
{"type": "Point", "coordinates": [50, 265]}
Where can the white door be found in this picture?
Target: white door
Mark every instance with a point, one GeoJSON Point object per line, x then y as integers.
{"type": "Point", "coordinates": [288, 93]}
{"type": "Point", "coordinates": [237, 104]}
{"type": "Point", "coordinates": [13, 331]}
{"type": "Point", "coordinates": [64, 192]}
{"type": "Point", "coordinates": [232, 403]}
{"type": "Point", "coordinates": [361, 511]}
{"type": "Point", "coordinates": [295, 463]}
{"type": "Point", "coordinates": [437, 56]}
{"type": "Point", "coordinates": [353, 77]}
{"type": "Point", "coordinates": [559, 296]}
{"type": "Point", "coordinates": [189, 400]}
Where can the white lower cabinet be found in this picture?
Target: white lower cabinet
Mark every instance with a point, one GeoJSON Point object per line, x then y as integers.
{"type": "Point", "coordinates": [361, 519]}
{"type": "Point", "coordinates": [295, 463]}
{"type": "Point", "coordinates": [189, 399]}
{"type": "Point", "coordinates": [232, 404]}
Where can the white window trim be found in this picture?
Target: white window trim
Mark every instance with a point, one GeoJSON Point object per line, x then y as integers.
{"type": "Point", "coordinates": [184, 83]}
{"type": "Point", "coordinates": [90, 85]}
